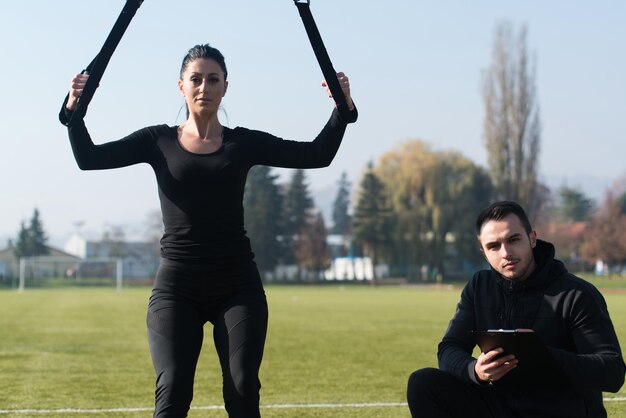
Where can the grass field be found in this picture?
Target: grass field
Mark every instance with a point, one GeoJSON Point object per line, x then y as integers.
{"type": "Point", "coordinates": [327, 347]}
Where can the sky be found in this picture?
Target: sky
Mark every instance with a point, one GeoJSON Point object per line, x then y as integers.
{"type": "Point", "coordinates": [415, 67]}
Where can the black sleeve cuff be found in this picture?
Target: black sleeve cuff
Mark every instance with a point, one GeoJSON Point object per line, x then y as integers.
{"type": "Point", "coordinates": [350, 116]}
{"type": "Point", "coordinates": [65, 115]}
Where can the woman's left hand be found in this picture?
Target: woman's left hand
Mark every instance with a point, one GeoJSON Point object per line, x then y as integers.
{"type": "Point", "coordinates": [344, 82]}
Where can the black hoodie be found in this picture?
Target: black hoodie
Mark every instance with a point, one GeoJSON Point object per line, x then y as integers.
{"type": "Point", "coordinates": [568, 314]}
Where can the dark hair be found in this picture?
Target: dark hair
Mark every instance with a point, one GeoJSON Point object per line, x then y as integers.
{"type": "Point", "coordinates": [498, 210]}
{"type": "Point", "coordinates": [204, 51]}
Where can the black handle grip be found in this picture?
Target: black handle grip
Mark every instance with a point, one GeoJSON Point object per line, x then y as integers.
{"type": "Point", "coordinates": [323, 59]}
{"type": "Point", "coordinates": [96, 68]}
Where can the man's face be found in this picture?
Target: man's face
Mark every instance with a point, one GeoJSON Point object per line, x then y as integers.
{"type": "Point", "coordinates": [508, 247]}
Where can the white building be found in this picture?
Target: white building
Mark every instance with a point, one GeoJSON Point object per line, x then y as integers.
{"type": "Point", "coordinates": [140, 260]}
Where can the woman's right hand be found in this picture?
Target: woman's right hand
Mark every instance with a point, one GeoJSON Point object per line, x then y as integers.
{"type": "Point", "coordinates": [345, 86]}
{"type": "Point", "coordinates": [76, 90]}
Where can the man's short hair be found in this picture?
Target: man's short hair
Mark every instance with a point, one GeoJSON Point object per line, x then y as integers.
{"type": "Point", "coordinates": [498, 210]}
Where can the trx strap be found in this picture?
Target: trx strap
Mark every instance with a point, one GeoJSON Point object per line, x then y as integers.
{"type": "Point", "coordinates": [323, 59]}
{"type": "Point", "coordinates": [97, 66]}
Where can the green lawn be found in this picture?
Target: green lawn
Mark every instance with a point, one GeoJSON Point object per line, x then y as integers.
{"type": "Point", "coordinates": [87, 349]}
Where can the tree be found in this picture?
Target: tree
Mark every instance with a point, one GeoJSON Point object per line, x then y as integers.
{"type": "Point", "coordinates": [312, 251]}
{"type": "Point", "coordinates": [573, 205]}
{"type": "Point", "coordinates": [434, 197]}
{"type": "Point", "coordinates": [604, 239]}
{"type": "Point", "coordinates": [619, 190]}
{"type": "Point", "coordinates": [372, 218]}
{"type": "Point", "coordinates": [297, 206]}
{"type": "Point", "coordinates": [341, 218]}
{"type": "Point", "coordinates": [403, 172]}
{"type": "Point", "coordinates": [511, 124]}
{"type": "Point", "coordinates": [298, 202]}
{"type": "Point", "coordinates": [31, 240]}
{"type": "Point", "coordinates": [456, 190]}
{"type": "Point", "coordinates": [567, 226]}
{"type": "Point", "coordinates": [621, 201]}
{"type": "Point", "coordinates": [23, 244]}
{"type": "Point", "coordinates": [262, 205]}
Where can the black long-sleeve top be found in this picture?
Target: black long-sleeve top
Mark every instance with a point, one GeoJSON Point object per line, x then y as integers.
{"type": "Point", "coordinates": [201, 195]}
{"type": "Point", "coordinates": [569, 315]}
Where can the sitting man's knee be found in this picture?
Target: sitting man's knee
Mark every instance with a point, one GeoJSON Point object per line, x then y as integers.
{"type": "Point", "coordinates": [421, 377]}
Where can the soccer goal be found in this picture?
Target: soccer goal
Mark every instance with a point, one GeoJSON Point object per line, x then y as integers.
{"type": "Point", "coordinates": [47, 272]}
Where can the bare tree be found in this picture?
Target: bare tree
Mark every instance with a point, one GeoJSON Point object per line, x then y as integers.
{"type": "Point", "coordinates": [604, 238]}
{"type": "Point", "coordinates": [512, 126]}
{"type": "Point", "coordinates": [311, 250]}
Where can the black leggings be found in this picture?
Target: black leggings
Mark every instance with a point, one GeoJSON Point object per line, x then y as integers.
{"type": "Point", "coordinates": [184, 298]}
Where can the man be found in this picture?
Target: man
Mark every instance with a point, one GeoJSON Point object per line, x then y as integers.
{"type": "Point", "coordinates": [526, 288]}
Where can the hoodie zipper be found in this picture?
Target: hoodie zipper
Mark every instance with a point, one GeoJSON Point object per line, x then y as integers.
{"type": "Point", "coordinates": [509, 303]}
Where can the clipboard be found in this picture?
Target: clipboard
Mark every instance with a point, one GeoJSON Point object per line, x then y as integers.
{"type": "Point", "coordinates": [536, 364]}
{"type": "Point", "coordinates": [513, 341]}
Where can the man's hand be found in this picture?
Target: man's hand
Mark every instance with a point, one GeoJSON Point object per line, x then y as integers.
{"type": "Point", "coordinates": [493, 365]}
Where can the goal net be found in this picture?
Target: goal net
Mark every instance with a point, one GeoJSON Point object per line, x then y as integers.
{"type": "Point", "coordinates": [39, 272]}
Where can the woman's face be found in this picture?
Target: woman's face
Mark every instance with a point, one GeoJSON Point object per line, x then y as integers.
{"type": "Point", "coordinates": [203, 86]}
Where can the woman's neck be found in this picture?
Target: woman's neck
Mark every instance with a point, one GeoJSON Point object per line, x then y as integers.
{"type": "Point", "coordinates": [203, 127]}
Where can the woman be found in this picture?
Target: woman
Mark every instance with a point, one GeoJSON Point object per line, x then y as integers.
{"type": "Point", "coordinates": [207, 272]}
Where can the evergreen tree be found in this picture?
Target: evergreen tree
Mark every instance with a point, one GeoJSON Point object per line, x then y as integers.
{"type": "Point", "coordinates": [38, 235]}
{"type": "Point", "coordinates": [297, 207]}
{"type": "Point", "coordinates": [262, 205]}
{"type": "Point", "coordinates": [341, 218]}
{"type": "Point", "coordinates": [31, 240]}
{"type": "Point", "coordinates": [23, 243]}
{"type": "Point", "coordinates": [298, 202]}
{"type": "Point", "coordinates": [573, 205]}
{"type": "Point", "coordinates": [372, 217]}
